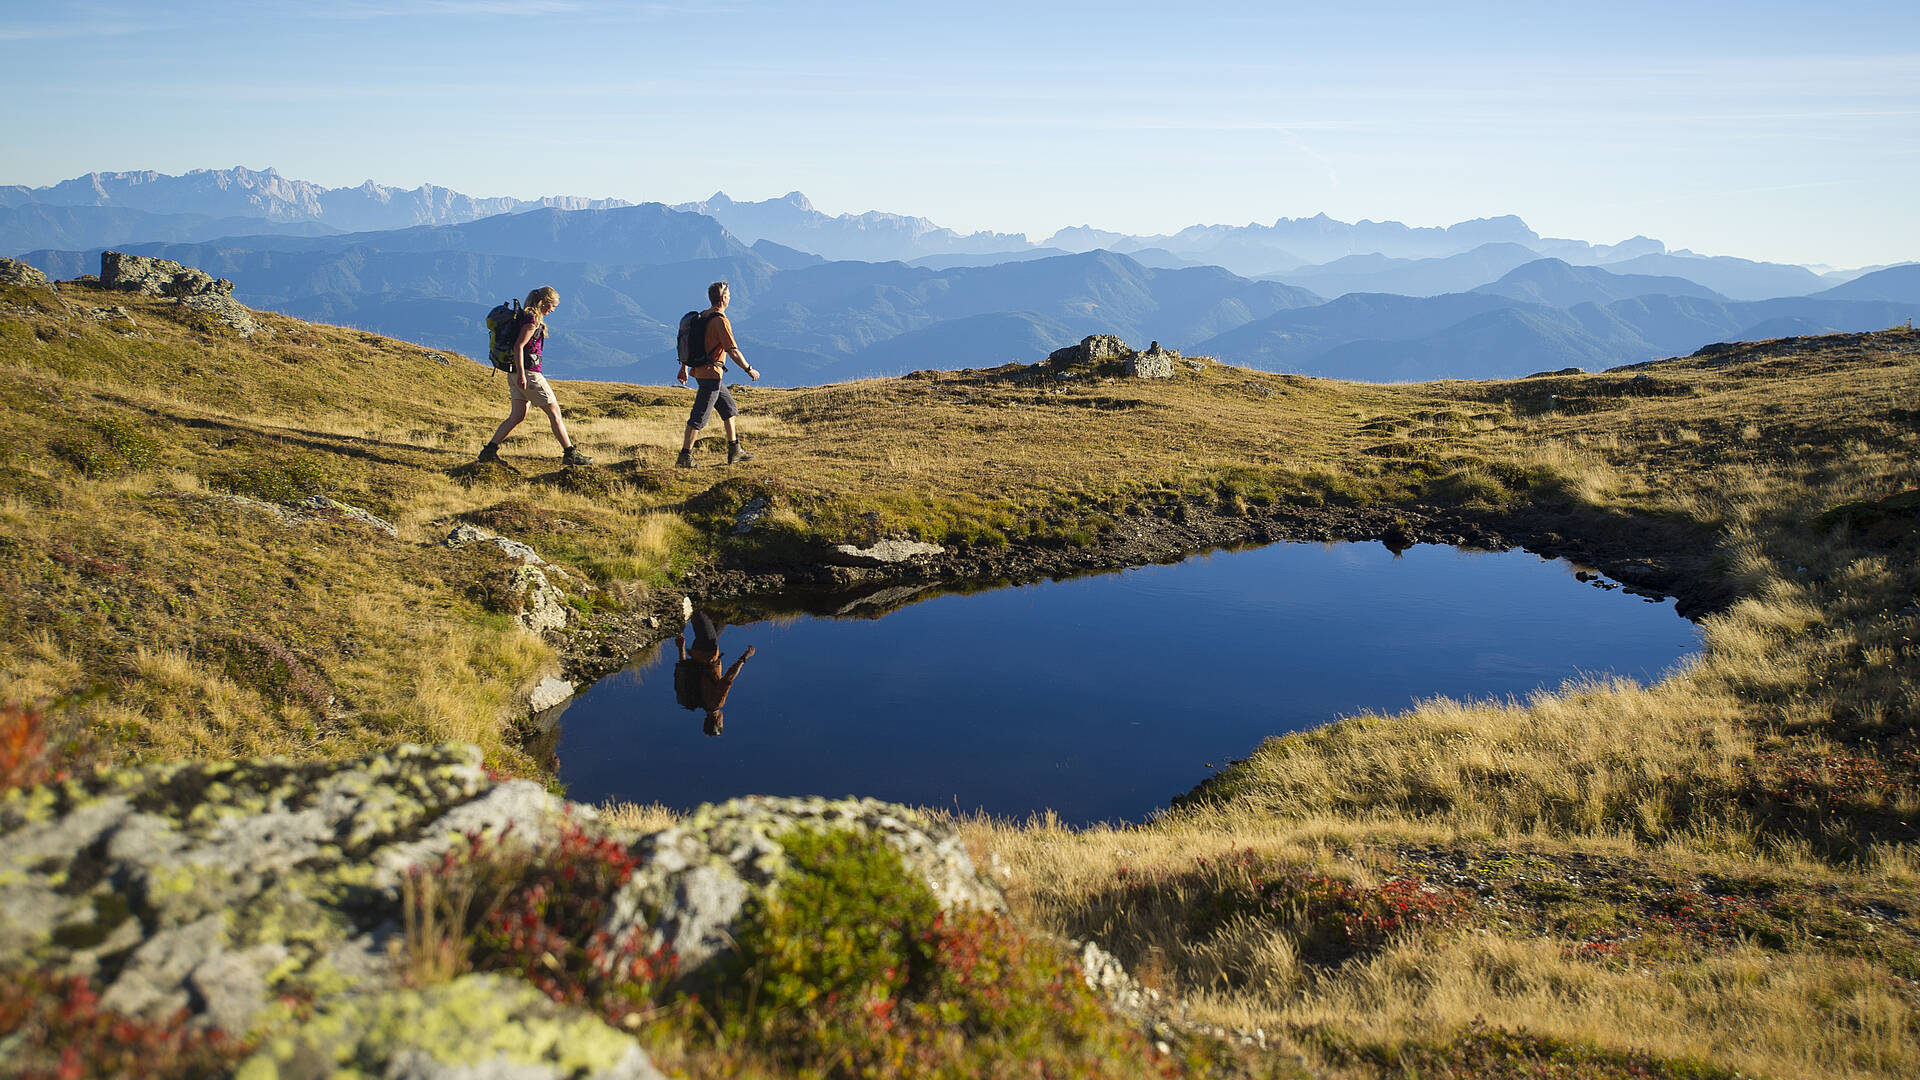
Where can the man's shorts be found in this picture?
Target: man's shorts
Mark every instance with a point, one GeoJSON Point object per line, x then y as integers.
{"type": "Point", "coordinates": [538, 393]}
{"type": "Point", "coordinates": [711, 397]}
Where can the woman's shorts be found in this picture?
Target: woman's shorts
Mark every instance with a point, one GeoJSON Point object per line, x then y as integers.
{"type": "Point", "coordinates": [709, 398]}
{"type": "Point", "coordinates": [537, 394]}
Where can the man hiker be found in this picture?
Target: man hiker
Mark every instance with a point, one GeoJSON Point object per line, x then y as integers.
{"type": "Point", "coordinates": [526, 384]}
{"type": "Point", "coordinates": [698, 682]}
{"type": "Point", "coordinates": [707, 370]}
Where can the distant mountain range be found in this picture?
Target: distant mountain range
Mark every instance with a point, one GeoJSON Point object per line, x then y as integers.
{"type": "Point", "coordinates": [239, 193]}
{"type": "Point", "coordinates": [870, 237]}
{"type": "Point", "coordinates": [823, 298]}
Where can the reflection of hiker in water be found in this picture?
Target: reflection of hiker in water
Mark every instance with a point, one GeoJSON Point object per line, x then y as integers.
{"type": "Point", "coordinates": [697, 680]}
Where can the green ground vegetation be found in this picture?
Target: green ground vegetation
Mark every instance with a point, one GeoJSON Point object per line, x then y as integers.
{"type": "Point", "coordinates": [1706, 876]}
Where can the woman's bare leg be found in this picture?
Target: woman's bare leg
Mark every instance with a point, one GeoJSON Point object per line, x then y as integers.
{"type": "Point", "coordinates": [514, 416]}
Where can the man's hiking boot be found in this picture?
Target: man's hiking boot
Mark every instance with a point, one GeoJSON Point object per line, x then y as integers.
{"type": "Point", "coordinates": [490, 452]}
{"type": "Point", "coordinates": [736, 452]}
{"type": "Point", "coordinates": [685, 460]}
{"type": "Point", "coordinates": [573, 456]}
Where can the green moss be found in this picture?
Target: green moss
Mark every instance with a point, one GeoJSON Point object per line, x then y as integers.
{"type": "Point", "coordinates": [277, 478]}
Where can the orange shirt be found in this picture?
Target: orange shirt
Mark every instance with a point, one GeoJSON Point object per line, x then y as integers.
{"type": "Point", "coordinates": [719, 341]}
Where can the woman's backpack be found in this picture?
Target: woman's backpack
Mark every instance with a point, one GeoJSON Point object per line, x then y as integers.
{"type": "Point", "coordinates": [503, 326]}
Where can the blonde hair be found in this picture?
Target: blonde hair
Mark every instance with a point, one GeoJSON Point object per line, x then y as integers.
{"type": "Point", "coordinates": [542, 300]}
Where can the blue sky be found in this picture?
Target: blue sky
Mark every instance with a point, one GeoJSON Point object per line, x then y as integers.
{"type": "Point", "coordinates": [1785, 131]}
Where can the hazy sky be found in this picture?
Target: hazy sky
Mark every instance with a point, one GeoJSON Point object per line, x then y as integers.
{"type": "Point", "coordinates": [1784, 131]}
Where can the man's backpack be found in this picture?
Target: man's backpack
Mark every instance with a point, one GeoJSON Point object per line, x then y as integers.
{"type": "Point", "coordinates": [692, 342]}
{"type": "Point", "coordinates": [503, 327]}
{"type": "Point", "coordinates": [686, 683]}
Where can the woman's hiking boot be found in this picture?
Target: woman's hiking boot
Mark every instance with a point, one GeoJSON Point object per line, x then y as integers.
{"type": "Point", "coordinates": [573, 456]}
{"type": "Point", "coordinates": [736, 452]}
{"type": "Point", "coordinates": [685, 460]}
{"type": "Point", "coordinates": [490, 452]}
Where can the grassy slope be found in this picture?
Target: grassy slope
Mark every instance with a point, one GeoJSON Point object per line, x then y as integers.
{"type": "Point", "coordinates": [1718, 866]}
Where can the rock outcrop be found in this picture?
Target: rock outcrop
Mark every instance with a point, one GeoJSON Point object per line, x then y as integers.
{"type": "Point", "coordinates": [204, 886]}
{"type": "Point", "coordinates": [227, 889]}
{"type": "Point", "coordinates": [1155, 363]}
{"type": "Point", "coordinates": [543, 605]}
{"type": "Point", "coordinates": [15, 272]}
{"type": "Point", "coordinates": [1099, 349]}
{"type": "Point", "coordinates": [1093, 349]}
{"type": "Point", "coordinates": [189, 287]}
{"type": "Point", "coordinates": [158, 277]}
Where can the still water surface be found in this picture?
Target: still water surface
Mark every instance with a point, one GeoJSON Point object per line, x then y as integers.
{"type": "Point", "coordinates": [1102, 697]}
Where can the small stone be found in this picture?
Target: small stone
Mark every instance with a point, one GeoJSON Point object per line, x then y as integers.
{"type": "Point", "coordinates": [551, 691]}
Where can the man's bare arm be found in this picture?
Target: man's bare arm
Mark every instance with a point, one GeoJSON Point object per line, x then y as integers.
{"type": "Point", "coordinates": [741, 359]}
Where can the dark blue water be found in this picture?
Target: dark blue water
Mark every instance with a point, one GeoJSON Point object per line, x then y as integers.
{"type": "Point", "coordinates": [1103, 697]}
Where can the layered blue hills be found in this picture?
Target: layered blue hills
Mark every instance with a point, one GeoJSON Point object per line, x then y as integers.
{"type": "Point", "coordinates": [1483, 299]}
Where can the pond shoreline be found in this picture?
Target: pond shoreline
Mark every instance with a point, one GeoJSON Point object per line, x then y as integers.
{"type": "Point", "coordinates": [1650, 558]}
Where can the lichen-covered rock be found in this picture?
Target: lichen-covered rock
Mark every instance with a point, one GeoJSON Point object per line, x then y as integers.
{"type": "Point", "coordinates": [885, 552]}
{"type": "Point", "coordinates": [544, 607]}
{"type": "Point", "coordinates": [322, 504]}
{"type": "Point", "coordinates": [479, 1026]}
{"type": "Point", "coordinates": [224, 308]}
{"type": "Point", "coordinates": [697, 877]}
{"type": "Point", "coordinates": [465, 535]}
{"type": "Point", "coordinates": [210, 885]}
{"type": "Point", "coordinates": [229, 889]}
{"type": "Point", "coordinates": [15, 272]}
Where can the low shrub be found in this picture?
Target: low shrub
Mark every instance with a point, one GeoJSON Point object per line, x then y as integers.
{"type": "Point", "coordinates": [501, 905]}
{"type": "Point", "coordinates": [853, 970]}
{"type": "Point", "coordinates": [26, 758]}
{"type": "Point", "coordinates": [275, 671]}
{"type": "Point", "coordinates": [1325, 919]}
{"type": "Point", "coordinates": [108, 446]}
{"type": "Point", "coordinates": [53, 1026]}
{"type": "Point", "coordinates": [1494, 1053]}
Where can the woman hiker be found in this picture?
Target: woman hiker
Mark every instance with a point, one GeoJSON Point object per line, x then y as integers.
{"type": "Point", "coordinates": [525, 383]}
